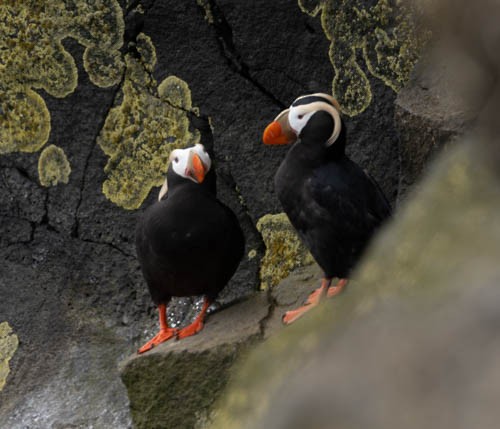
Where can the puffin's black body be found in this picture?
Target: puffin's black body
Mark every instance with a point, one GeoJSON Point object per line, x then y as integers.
{"type": "Point", "coordinates": [332, 203]}
{"type": "Point", "coordinates": [188, 243]}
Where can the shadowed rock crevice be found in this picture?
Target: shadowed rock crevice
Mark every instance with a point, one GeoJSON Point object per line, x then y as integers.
{"type": "Point", "coordinates": [111, 245]}
{"type": "Point", "coordinates": [75, 232]}
{"type": "Point", "coordinates": [224, 35]}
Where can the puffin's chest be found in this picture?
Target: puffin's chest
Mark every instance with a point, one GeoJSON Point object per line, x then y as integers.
{"type": "Point", "coordinates": [292, 187]}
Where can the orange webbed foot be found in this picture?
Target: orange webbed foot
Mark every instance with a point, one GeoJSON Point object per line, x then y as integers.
{"type": "Point", "coordinates": [293, 315]}
{"type": "Point", "coordinates": [197, 325]}
{"type": "Point", "coordinates": [312, 301]}
{"type": "Point", "coordinates": [190, 330]}
{"type": "Point", "coordinates": [160, 337]}
{"type": "Point", "coordinates": [338, 288]}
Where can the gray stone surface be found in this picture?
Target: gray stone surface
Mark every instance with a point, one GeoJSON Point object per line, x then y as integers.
{"type": "Point", "coordinates": [177, 383]}
{"type": "Point", "coordinates": [70, 285]}
{"type": "Point", "coordinates": [412, 340]}
{"type": "Point", "coordinates": [198, 367]}
{"type": "Point", "coordinates": [430, 111]}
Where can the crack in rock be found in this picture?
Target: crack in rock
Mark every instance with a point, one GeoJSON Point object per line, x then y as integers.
{"type": "Point", "coordinates": [75, 232]}
{"type": "Point", "coordinates": [105, 243]}
{"type": "Point", "coordinates": [229, 51]}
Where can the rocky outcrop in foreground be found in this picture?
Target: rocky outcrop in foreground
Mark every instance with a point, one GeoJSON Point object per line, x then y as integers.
{"type": "Point", "coordinates": [413, 342]}
{"type": "Point", "coordinates": [414, 339]}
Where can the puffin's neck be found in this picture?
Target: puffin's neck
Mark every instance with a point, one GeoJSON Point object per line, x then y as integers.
{"type": "Point", "coordinates": [313, 154]}
{"type": "Point", "coordinates": [312, 151]}
{"type": "Point", "coordinates": [304, 154]}
{"type": "Point", "coordinates": [176, 182]}
{"type": "Point", "coordinates": [337, 149]}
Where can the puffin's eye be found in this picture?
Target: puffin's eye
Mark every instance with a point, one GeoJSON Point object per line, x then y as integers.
{"type": "Point", "coordinates": [300, 116]}
{"type": "Point", "coordinates": [176, 159]}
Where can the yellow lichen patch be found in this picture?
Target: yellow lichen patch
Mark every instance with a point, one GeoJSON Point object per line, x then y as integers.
{"type": "Point", "coordinates": [205, 4]}
{"type": "Point", "coordinates": [284, 250]}
{"type": "Point", "coordinates": [105, 67]}
{"type": "Point", "coordinates": [140, 133]}
{"type": "Point", "coordinates": [8, 346]}
{"type": "Point", "coordinates": [311, 7]}
{"type": "Point", "coordinates": [24, 121]}
{"type": "Point", "coordinates": [383, 34]}
{"type": "Point", "coordinates": [53, 166]}
{"type": "Point", "coordinates": [32, 57]}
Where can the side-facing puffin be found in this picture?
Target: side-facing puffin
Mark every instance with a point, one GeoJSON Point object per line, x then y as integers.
{"type": "Point", "coordinates": [332, 203]}
{"type": "Point", "coordinates": [188, 242]}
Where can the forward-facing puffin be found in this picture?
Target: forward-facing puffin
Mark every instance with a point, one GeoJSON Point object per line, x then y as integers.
{"type": "Point", "coordinates": [332, 203]}
{"type": "Point", "coordinates": [188, 243]}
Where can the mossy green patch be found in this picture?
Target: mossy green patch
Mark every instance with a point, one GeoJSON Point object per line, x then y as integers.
{"type": "Point", "coordinates": [284, 250]}
{"type": "Point", "coordinates": [8, 346]}
{"type": "Point", "coordinates": [53, 166]}
{"type": "Point", "coordinates": [382, 33]}
{"type": "Point", "coordinates": [140, 133]}
{"type": "Point", "coordinates": [33, 57]}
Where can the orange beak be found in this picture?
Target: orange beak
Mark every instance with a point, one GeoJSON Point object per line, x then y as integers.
{"type": "Point", "coordinates": [196, 168]}
{"type": "Point", "coordinates": [279, 131]}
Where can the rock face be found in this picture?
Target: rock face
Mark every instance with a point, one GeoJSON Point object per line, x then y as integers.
{"type": "Point", "coordinates": [178, 383]}
{"type": "Point", "coordinates": [157, 382]}
{"type": "Point", "coordinates": [411, 340]}
{"type": "Point", "coordinates": [431, 112]}
{"type": "Point", "coordinates": [70, 285]}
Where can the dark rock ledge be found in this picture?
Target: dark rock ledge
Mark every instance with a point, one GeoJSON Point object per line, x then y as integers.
{"type": "Point", "coordinates": [176, 384]}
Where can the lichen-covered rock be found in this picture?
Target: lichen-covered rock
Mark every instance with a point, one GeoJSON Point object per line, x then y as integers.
{"type": "Point", "coordinates": [25, 121]}
{"type": "Point", "coordinates": [33, 57]}
{"type": "Point", "coordinates": [68, 251]}
{"type": "Point", "coordinates": [8, 346]}
{"type": "Point", "coordinates": [444, 242]}
{"type": "Point", "coordinates": [385, 34]}
{"type": "Point", "coordinates": [284, 250]}
{"type": "Point", "coordinates": [53, 166]}
{"type": "Point", "coordinates": [140, 133]}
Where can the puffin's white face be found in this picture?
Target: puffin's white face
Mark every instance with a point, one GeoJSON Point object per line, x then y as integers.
{"type": "Point", "coordinates": [182, 161]}
{"type": "Point", "coordinates": [288, 125]}
{"type": "Point", "coordinates": [192, 163]}
{"type": "Point", "coordinates": [301, 113]}
{"type": "Point", "coordinates": [298, 117]}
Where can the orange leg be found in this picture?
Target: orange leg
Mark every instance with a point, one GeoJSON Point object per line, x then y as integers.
{"type": "Point", "coordinates": [312, 301]}
{"type": "Point", "coordinates": [197, 325]}
{"type": "Point", "coordinates": [165, 332]}
{"type": "Point", "coordinates": [314, 298]}
{"type": "Point", "coordinates": [335, 290]}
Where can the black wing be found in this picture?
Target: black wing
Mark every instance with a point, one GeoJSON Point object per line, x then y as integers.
{"type": "Point", "coordinates": [349, 197]}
